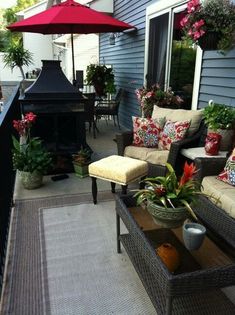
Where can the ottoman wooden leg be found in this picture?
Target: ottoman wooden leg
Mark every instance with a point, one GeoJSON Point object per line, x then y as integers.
{"type": "Point", "coordinates": [124, 189]}
{"type": "Point", "coordinates": [113, 187]}
{"type": "Point", "coordinates": [94, 190]}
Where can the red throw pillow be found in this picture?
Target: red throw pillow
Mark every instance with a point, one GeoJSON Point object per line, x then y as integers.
{"type": "Point", "coordinates": [228, 173]}
{"type": "Point", "coordinates": [173, 131]}
{"type": "Point", "coordinates": [146, 131]}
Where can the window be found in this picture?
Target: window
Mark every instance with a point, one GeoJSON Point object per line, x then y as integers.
{"type": "Point", "coordinates": [169, 60]}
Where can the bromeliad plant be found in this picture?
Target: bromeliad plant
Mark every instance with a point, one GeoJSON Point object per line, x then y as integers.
{"type": "Point", "coordinates": [154, 95]}
{"type": "Point", "coordinates": [169, 192]}
{"type": "Point", "coordinates": [29, 155]}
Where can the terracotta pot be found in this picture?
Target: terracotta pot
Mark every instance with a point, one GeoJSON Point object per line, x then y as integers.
{"type": "Point", "coordinates": [31, 180]}
{"type": "Point", "coordinates": [169, 255]}
{"type": "Point", "coordinates": [167, 217]}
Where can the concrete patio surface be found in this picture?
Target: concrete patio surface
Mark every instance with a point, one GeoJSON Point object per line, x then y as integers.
{"type": "Point", "coordinates": [103, 145]}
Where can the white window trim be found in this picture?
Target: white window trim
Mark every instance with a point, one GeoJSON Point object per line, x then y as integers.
{"type": "Point", "coordinates": [158, 8]}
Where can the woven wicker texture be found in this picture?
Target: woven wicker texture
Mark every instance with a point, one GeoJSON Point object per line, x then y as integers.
{"type": "Point", "coordinates": [192, 292]}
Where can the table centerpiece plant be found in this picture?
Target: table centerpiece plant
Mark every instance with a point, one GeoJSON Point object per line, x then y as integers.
{"type": "Point", "coordinates": [29, 156]}
{"type": "Point", "coordinates": [154, 95]}
{"type": "Point", "coordinates": [81, 160]}
{"type": "Point", "coordinates": [102, 78]}
{"type": "Point", "coordinates": [210, 24]}
{"type": "Point", "coordinates": [168, 198]}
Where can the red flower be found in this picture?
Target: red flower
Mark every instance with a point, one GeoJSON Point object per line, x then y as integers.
{"type": "Point", "coordinates": [22, 126]}
{"type": "Point", "coordinates": [30, 117]}
{"type": "Point", "coordinates": [160, 191]}
{"type": "Point", "coordinates": [189, 171]}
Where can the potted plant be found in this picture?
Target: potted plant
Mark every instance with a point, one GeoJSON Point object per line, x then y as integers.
{"type": "Point", "coordinates": [102, 78]}
{"type": "Point", "coordinates": [154, 95]}
{"type": "Point", "coordinates": [28, 154]}
{"type": "Point", "coordinates": [17, 56]}
{"type": "Point", "coordinates": [210, 24]}
{"type": "Point", "coordinates": [81, 160]}
{"type": "Point", "coordinates": [220, 119]}
{"type": "Point", "coordinates": [168, 199]}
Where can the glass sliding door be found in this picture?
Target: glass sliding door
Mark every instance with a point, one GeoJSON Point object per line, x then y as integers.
{"type": "Point", "coordinates": [170, 60]}
{"type": "Point", "coordinates": [158, 34]}
{"type": "Point", "coordinates": [182, 63]}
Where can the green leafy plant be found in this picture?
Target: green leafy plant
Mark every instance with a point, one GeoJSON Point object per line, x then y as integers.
{"type": "Point", "coordinates": [28, 154]}
{"type": "Point", "coordinates": [219, 116]}
{"type": "Point", "coordinates": [17, 56]}
{"type": "Point", "coordinates": [210, 16]}
{"type": "Point", "coordinates": [169, 192]}
{"type": "Point", "coordinates": [101, 77]}
{"type": "Point", "coordinates": [82, 157]}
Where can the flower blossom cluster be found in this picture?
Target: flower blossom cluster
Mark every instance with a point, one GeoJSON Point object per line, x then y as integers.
{"type": "Point", "coordinates": [217, 16]}
{"type": "Point", "coordinates": [193, 28]}
{"type": "Point", "coordinates": [23, 125]}
{"type": "Point", "coordinates": [154, 95]}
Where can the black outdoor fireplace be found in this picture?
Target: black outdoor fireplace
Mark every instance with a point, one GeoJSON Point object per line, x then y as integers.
{"type": "Point", "coordinates": [59, 107]}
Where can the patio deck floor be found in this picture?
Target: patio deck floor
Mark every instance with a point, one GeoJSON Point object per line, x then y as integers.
{"type": "Point", "coordinates": [68, 191]}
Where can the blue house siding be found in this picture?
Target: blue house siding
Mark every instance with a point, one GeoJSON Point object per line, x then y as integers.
{"type": "Point", "coordinates": [127, 55]}
{"type": "Point", "coordinates": [217, 78]}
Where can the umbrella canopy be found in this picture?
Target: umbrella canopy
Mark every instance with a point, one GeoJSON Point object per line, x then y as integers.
{"type": "Point", "coordinates": [69, 17]}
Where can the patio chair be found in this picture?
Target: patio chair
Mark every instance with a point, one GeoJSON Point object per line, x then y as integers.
{"type": "Point", "coordinates": [156, 157]}
{"type": "Point", "coordinates": [90, 112]}
{"type": "Point", "coordinates": [109, 107]}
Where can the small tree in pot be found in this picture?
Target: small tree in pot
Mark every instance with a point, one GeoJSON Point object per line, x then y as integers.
{"type": "Point", "coordinates": [17, 56]}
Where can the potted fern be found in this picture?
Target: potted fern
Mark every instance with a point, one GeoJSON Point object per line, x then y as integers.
{"type": "Point", "coordinates": [81, 160]}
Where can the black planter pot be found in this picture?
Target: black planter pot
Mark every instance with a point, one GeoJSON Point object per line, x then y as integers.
{"type": "Point", "coordinates": [209, 41]}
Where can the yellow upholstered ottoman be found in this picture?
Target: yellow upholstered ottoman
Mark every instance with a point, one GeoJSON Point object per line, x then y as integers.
{"type": "Point", "coordinates": [118, 170]}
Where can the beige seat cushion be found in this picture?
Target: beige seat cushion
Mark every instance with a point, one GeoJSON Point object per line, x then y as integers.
{"type": "Point", "coordinates": [195, 116]}
{"type": "Point", "coordinates": [151, 155]}
{"type": "Point", "coordinates": [118, 169]}
{"type": "Point", "coordinates": [224, 192]}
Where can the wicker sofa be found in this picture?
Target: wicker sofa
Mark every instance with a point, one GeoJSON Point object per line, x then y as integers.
{"type": "Point", "coordinates": [157, 158]}
{"type": "Point", "coordinates": [218, 216]}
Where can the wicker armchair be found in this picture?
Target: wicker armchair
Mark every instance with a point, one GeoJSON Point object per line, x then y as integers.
{"type": "Point", "coordinates": [211, 214]}
{"type": "Point", "coordinates": [174, 158]}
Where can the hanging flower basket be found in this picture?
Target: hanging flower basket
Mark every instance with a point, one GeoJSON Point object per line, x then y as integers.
{"type": "Point", "coordinates": [209, 41]}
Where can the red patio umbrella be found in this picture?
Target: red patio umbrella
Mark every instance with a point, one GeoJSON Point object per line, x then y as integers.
{"type": "Point", "coordinates": [69, 17]}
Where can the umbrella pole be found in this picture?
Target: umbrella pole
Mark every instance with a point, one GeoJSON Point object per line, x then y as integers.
{"type": "Point", "coordinates": [74, 80]}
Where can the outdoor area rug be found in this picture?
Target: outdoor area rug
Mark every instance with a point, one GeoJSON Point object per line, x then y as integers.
{"type": "Point", "coordinates": [63, 260]}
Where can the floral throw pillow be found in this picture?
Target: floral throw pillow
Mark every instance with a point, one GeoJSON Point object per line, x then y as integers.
{"type": "Point", "coordinates": [173, 131]}
{"type": "Point", "coordinates": [228, 174]}
{"type": "Point", "coordinates": [146, 131]}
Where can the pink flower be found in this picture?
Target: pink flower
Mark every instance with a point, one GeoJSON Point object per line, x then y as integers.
{"type": "Point", "coordinates": [184, 21]}
{"type": "Point", "coordinates": [198, 24]}
{"type": "Point", "coordinates": [30, 117]}
{"type": "Point", "coordinates": [192, 5]}
{"type": "Point", "coordinates": [198, 34]}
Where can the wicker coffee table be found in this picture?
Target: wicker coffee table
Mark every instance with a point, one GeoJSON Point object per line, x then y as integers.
{"type": "Point", "coordinates": [195, 286]}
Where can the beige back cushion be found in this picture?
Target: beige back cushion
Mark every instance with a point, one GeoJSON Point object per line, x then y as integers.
{"type": "Point", "coordinates": [195, 116]}
{"type": "Point", "coordinates": [222, 192]}
{"type": "Point", "coordinates": [151, 155]}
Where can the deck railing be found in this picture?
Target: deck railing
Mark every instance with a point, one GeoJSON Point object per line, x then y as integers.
{"type": "Point", "coordinates": [7, 175]}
